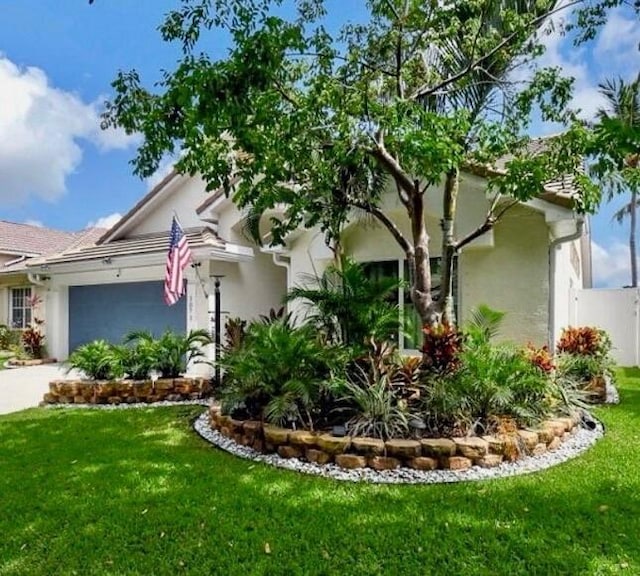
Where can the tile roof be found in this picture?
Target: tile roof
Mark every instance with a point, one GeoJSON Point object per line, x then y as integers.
{"type": "Point", "coordinates": [16, 238]}
{"type": "Point", "coordinates": [154, 243]}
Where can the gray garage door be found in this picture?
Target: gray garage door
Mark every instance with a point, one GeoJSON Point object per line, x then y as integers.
{"type": "Point", "coordinates": [109, 311]}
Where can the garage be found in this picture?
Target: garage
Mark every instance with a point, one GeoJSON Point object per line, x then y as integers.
{"type": "Point", "coordinates": [110, 311]}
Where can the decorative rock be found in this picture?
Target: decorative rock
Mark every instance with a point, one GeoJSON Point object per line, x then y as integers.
{"type": "Point", "coordinates": [114, 400]}
{"type": "Point", "coordinates": [539, 449]}
{"type": "Point", "coordinates": [302, 438]}
{"type": "Point", "coordinates": [79, 399]}
{"type": "Point", "coordinates": [174, 397]}
{"type": "Point", "coordinates": [333, 444]}
{"type": "Point", "coordinates": [529, 438]}
{"type": "Point", "coordinates": [557, 427]}
{"type": "Point", "coordinates": [143, 389]}
{"type": "Point", "coordinates": [317, 456]}
{"type": "Point", "coordinates": [368, 446]}
{"type": "Point", "coordinates": [288, 451]}
{"type": "Point", "coordinates": [490, 461]}
{"type": "Point", "coordinates": [546, 434]}
{"type": "Point", "coordinates": [276, 436]}
{"type": "Point", "coordinates": [252, 427]}
{"type": "Point", "coordinates": [554, 444]}
{"type": "Point", "coordinates": [403, 448]}
{"type": "Point", "coordinates": [496, 445]}
{"type": "Point", "coordinates": [236, 425]}
{"type": "Point", "coordinates": [457, 463]}
{"type": "Point", "coordinates": [438, 447]}
{"type": "Point", "coordinates": [472, 447]}
{"type": "Point", "coordinates": [164, 385]}
{"type": "Point", "coordinates": [50, 398]}
{"type": "Point", "coordinates": [383, 463]}
{"type": "Point", "coordinates": [566, 436]}
{"type": "Point", "coordinates": [423, 463]}
{"type": "Point", "coordinates": [350, 461]}
{"type": "Point", "coordinates": [258, 445]}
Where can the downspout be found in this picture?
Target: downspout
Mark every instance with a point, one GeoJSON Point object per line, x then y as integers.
{"type": "Point", "coordinates": [16, 261]}
{"type": "Point", "coordinates": [580, 222]}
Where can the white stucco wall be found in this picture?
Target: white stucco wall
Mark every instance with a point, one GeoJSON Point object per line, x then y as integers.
{"type": "Point", "coordinates": [568, 278]}
{"type": "Point", "coordinates": [512, 277]}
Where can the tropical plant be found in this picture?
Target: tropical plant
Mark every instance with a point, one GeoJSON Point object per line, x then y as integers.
{"type": "Point", "coordinates": [540, 357]}
{"type": "Point", "coordinates": [235, 331]}
{"type": "Point", "coordinates": [33, 339]}
{"type": "Point", "coordinates": [484, 324]}
{"type": "Point", "coordinates": [348, 306]}
{"type": "Point", "coordinates": [584, 341]}
{"type": "Point", "coordinates": [9, 337]}
{"type": "Point", "coordinates": [441, 348]}
{"type": "Point", "coordinates": [374, 409]}
{"type": "Point", "coordinates": [136, 362]}
{"type": "Point", "coordinates": [171, 353]}
{"type": "Point", "coordinates": [492, 382]}
{"type": "Point", "coordinates": [96, 360]}
{"type": "Point", "coordinates": [280, 374]}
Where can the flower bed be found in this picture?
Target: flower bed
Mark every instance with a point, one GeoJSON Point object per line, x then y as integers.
{"type": "Point", "coordinates": [419, 454]}
{"type": "Point", "coordinates": [126, 391]}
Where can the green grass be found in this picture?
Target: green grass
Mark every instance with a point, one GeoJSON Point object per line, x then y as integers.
{"type": "Point", "coordinates": [137, 492]}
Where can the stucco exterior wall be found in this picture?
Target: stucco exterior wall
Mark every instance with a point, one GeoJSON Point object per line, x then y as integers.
{"type": "Point", "coordinates": [512, 277]}
{"type": "Point", "coordinates": [568, 277]}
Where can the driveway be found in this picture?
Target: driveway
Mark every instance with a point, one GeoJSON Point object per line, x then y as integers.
{"type": "Point", "coordinates": [24, 387]}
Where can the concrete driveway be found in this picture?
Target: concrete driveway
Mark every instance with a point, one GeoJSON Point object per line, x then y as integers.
{"type": "Point", "coordinates": [24, 387]}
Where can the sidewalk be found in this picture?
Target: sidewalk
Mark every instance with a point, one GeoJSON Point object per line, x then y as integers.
{"type": "Point", "coordinates": [22, 388]}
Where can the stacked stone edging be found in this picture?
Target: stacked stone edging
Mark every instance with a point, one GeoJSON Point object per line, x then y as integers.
{"type": "Point", "coordinates": [19, 363]}
{"type": "Point", "coordinates": [126, 391]}
{"type": "Point", "coordinates": [419, 454]}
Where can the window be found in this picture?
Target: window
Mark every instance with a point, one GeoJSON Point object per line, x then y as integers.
{"type": "Point", "coordinates": [20, 307]}
{"type": "Point", "coordinates": [400, 269]}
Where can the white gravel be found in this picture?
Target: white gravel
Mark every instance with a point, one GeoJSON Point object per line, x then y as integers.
{"type": "Point", "coordinates": [124, 406]}
{"type": "Point", "coordinates": [569, 449]}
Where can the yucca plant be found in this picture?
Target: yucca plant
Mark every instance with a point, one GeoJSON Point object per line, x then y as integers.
{"type": "Point", "coordinates": [96, 360]}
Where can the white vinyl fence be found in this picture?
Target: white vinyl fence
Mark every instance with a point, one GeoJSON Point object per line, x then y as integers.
{"type": "Point", "coordinates": [617, 312]}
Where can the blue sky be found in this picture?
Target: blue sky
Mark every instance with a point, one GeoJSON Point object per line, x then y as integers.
{"type": "Point", "coordinates": [57, 60]}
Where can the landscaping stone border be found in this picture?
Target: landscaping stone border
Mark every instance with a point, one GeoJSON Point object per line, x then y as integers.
{"type": "Point", "coordinates": [17, 363]}
{"type": "Point", "coordinates": [87, 392]}
{"type": "Point", "coordinates": [407, 461]}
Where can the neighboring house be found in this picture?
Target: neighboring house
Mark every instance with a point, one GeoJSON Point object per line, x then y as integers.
{"type": "Point", "coordinates": [526, 266]}
{"type": "Point", "coordinates": [23, 244]}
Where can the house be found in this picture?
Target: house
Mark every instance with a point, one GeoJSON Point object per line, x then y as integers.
{"type": "Point", "coordinates": [21, 245]}
{"type": "Point", "coordinates": [526, 266]}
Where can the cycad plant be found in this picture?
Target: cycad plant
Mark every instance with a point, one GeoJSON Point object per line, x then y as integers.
{"type": "Point", "coordinates": [349, 307]}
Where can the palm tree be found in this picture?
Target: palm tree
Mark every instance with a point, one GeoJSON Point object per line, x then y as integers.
{"type": "Point", "coordinates": [618, 139]}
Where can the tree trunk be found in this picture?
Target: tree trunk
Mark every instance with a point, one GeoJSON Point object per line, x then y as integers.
{"type": "Point", "coordinates": [449, 205]}
{"type": "Point", "coordinates": [632, 239]}
{"type": "Point", "coordinates": [419, 268]}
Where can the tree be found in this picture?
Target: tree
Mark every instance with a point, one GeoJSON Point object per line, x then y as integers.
{"type": "Point", "coordinates": [618, 152]}
{"type": "Point", "coordinates": [323, 123]}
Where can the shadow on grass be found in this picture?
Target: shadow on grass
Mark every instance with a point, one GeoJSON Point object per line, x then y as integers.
{"type": "Point", "coordinates": [137, 492]}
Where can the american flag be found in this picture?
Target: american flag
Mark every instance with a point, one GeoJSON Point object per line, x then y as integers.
{"type": "Point", "coordinates": [177, 260]}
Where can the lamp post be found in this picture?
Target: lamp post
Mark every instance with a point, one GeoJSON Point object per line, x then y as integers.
{"type": "Point", "coordinates": [216, 333]}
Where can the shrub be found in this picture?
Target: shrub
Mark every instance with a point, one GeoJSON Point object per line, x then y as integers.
{"type": "Point", "coordinates": [136, 362]}
{"type": "Point", "coordinates": [281, 374]}
{"type": "Point", "coordinates": [171, 353]}
{"type": "Point", "coordinates": [348, 307]}
{"type": "Point", "coordinates": [584, 341]}
{"type": "Point", "coordinates": [441, 348]}
{"type": "Point", "coordinates": [33, 339]}
{"type": "Point", "coordinates": [491, 383]}
{"type": "Point", "coordinates": [9, 337]}
{"type": "Point", "coordinates": [540, 358]}
{"type": "Point", "coordinates": [97, 360]}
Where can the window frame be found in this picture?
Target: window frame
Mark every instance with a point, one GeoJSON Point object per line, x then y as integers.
{"type": "Point", "coordinates": [27, 293]}
{"type": "Point", "coordinates": [401, 266]}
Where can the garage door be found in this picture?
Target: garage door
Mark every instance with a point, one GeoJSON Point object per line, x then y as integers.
{"type": "Point", "coordinates": [109, 311]}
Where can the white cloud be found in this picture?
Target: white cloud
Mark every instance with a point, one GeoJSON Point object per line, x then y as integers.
{"type": "Point", "coordinates": [36, 223]}
{"type": "Point", "coordinates": [105, 221]}
{"type": "Point", "coordinates": [165, 168]}
{"type": "Point", "coordinates": [611, 265]}
{"type": "Point", "coordinates": [618, 42]}
{"type": "Point", "coordinates": [41, 130]}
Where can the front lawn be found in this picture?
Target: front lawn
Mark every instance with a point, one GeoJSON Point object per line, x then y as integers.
{"type": "Point", "coordinates": [137, 492]}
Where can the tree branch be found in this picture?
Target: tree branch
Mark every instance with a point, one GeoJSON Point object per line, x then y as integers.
{"type": "Point", "coordinates": [387, 223]}
{"type": "Point", "coordinates": [491, 220]}
{"type": "Point", "coordinates": [425, 90]}
{"type": "Point", "coordinates": [392, 165]}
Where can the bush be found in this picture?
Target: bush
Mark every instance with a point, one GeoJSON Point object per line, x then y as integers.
{"type": "Point", "coordinates": [33, 340]}
{"type": "Point", "coordinates": [97, 360]}
{"type": "Point", "coordinates": [171, 353]}
{"type": "Point", "coordinates": [280, 374]}
{"type": "Point", "coordinates": [9, 337]}
{"type": "Point", "coordinates": [491, 383]}
{"type": "Point", "coordinates": [441, 348]}
{"type": "Point", "coordinates": [584, 341]}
